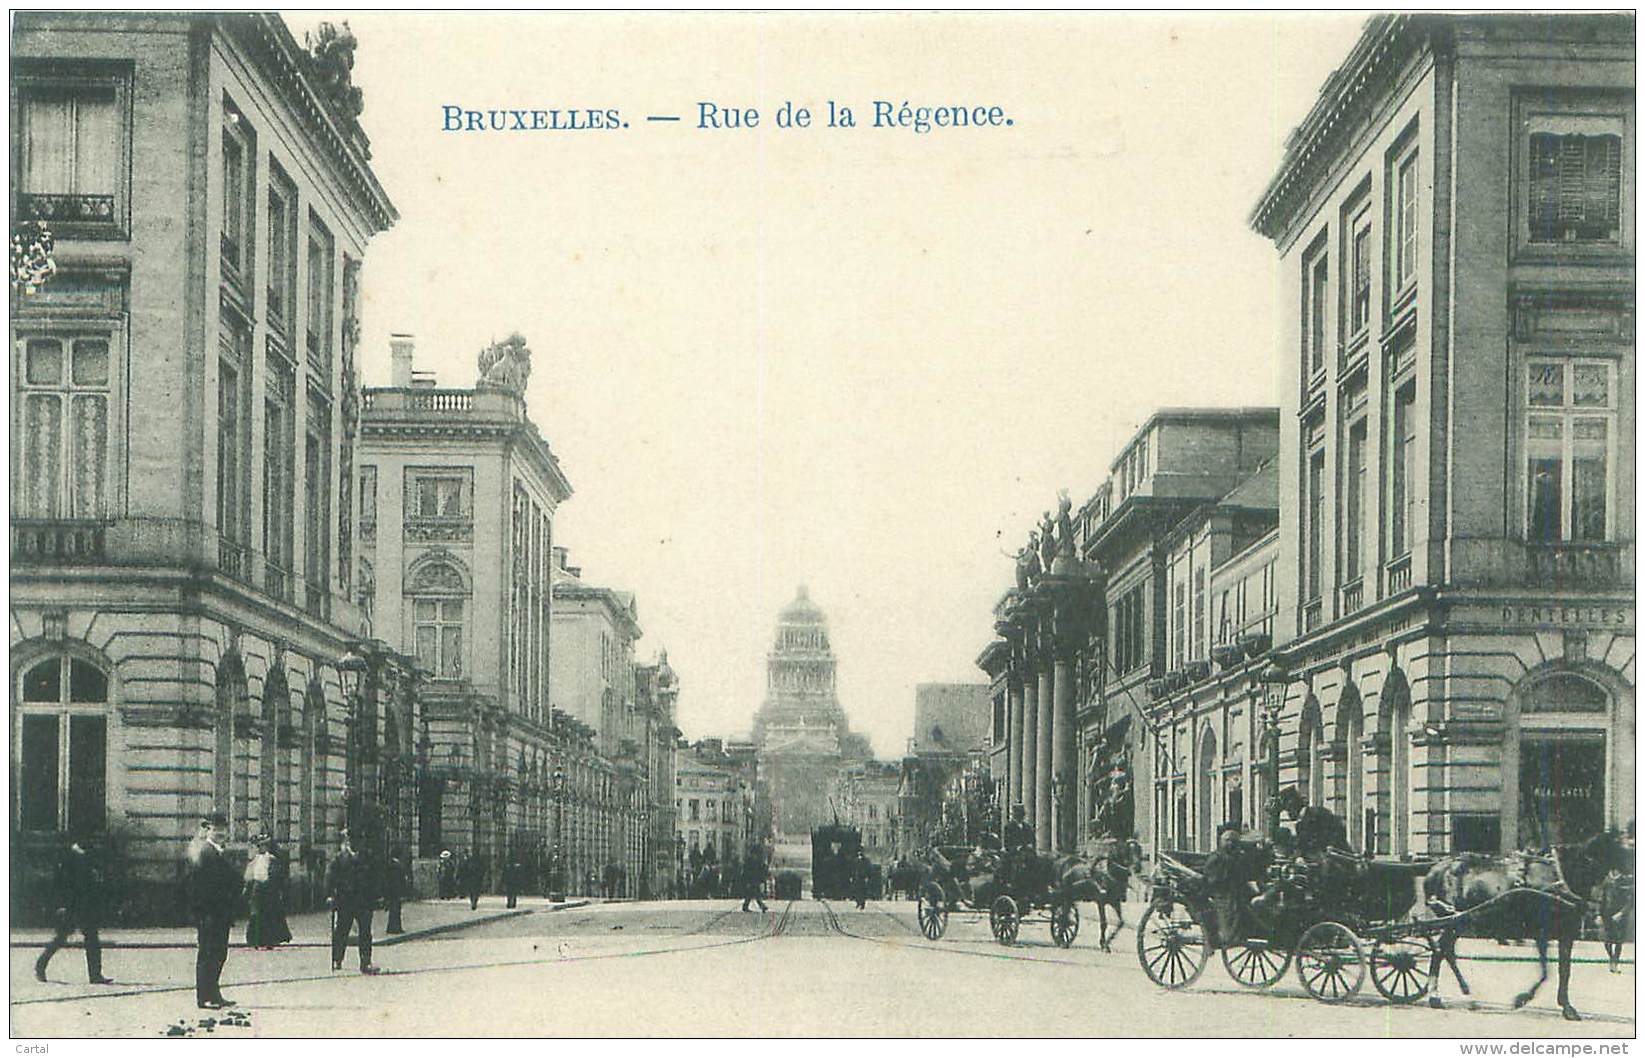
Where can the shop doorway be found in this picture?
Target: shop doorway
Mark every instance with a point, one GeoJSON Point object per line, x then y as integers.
{"type": "Point", "coordinates": [1561, 787]}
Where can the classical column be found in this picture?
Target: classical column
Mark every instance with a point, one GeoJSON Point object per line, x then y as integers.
{"type": "Point", "coordinates": [1043, 818]}
{"type": "Point", "coordinates": [1013, 755]}
{"type": "Point", "coordinates": [1063, 757]}
{"type": "Point", "coordinates": [1028, 766]}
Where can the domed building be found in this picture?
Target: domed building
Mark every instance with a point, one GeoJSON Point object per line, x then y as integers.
{"type": "Point", "coordinates": [801, 732]}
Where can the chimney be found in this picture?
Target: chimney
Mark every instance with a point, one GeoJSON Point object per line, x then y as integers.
{"type": "Point", "coordinates": [559, 557]}
{"type": "Point", "coordinates": [400, 352]}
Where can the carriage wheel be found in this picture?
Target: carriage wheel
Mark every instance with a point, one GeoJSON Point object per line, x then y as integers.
{"type": "Point", "coordinates": [1065, 923]}
{"type": "Point", "coordinates": [1330, 962]}
{"type": "Point", "coordinates": [1005, 918]}
{"type": "Point", "coordinates": [933, 911]}
{"type": "Point", "coordinates": [1256, 963]}
{"type": "Point", "coordinates": [1399, 968]}
{"type": "Point", "coordinates": [1172, 946]}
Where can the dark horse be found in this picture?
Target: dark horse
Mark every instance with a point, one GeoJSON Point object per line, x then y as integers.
{"type": "Point", "coordinates": [1103, 881]}
{"type": "Point", "coordinates": [1522, 895]}
{"type": "Point", "coordinates": [904, 878]}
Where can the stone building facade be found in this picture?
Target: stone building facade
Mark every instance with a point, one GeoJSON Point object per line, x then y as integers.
{"type": "Point", "coordinates": [1456, 557]}
{"type": "Point", "coordinates": [457, 494]}
{"type": "Point", "coordinates": [184, 395]}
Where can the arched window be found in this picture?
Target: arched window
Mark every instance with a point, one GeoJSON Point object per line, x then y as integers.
{"type": "Point", "coordinates": [314, 726]}
{"type": "Point", "coordinates": [438, 592]}
{"type": "Point", "coordinates": [1206, 779]}
{"type": "Point", "coordinates": [231, 764]}
{"type": "Point", "coordinates": [1310, 754]}
{"type": "Point", "coordinates": [1395, 709]}
{"type": "Point", "coordinates": [61, 742]}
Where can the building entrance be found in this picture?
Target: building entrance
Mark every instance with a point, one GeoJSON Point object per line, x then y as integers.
{"type": "Point", "coordinates": [1561, 787]}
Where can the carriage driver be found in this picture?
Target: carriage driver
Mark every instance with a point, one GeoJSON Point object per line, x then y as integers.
{"type": "Point", "coordinates": [1018, 834]}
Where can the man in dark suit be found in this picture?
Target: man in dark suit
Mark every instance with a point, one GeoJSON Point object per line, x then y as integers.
{"type": "Point", "coordinates": [396, 884]}
{"type": "Point", "coordinates": [214, 891]}
{"type": "Point", "coordinates": [471, 878]}
{"type": "Point", "coordinates": [352, 888]}
{"type": "Point", "coordinates": [81, 901]}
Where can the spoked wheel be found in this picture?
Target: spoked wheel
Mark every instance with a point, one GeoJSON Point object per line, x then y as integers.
{"type": "Point", "coordinates": [1256, 963]}
{"type": "Point", "coordinates": [1171, 945]}
{"type": "Point", "coordinates": [933, 911]}
{"type": "Point", "coordinates": [1331, 962]}
{"type": "Point", "coordinates": [1065, 923]}
{"type": "Point", "coordinates": [1399, 968]}
{"type": "Point", "coordinates": [1005, 919]}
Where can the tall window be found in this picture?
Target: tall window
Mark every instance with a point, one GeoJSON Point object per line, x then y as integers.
{"type": "Point", "coordinates": [1405, 222]}
{"type": "Point", "coordinates": [1199, 647]}
{"type": "Point", "coordinates": [1570, 450]}
{"type": "Point", "coordinates": [438, 494]}
{"type": "Point", "coordinates": [64, 460]}
{"type": "Point", "coordinates": [368, 502]}
{"type": "Point", "coordinates": [317, 495]}
{"type": "Point", "coordinates": [61, 742]}
{"type": "Point", "coordinates": [233, 431]}
{"type": "Point", "coordinates": [1319, 293]}
{"type": "Point", "coordinates": [1316, 521]}
{"type": "Point", "coordinates": [1179, 622]}
{"type": "Point", "coordinates": [1353, 512]}
{"type": "Point", "coordinates": [1130, 646]}
{"type": "Point", "coordinates": [282, 253]}
{"type": "Point", "coordinates": [69, 145]}
{"type": "Point", "coordinates": [438, 592]}
{"type": "Point", "coordinates": [1402, 487]}
{"type": "Point", "coordinates": [1359, 291]}
{"type": "Point", "coordinates": [238, 152]}
{"type": "Point", "coordinates": [1576, 179]}
{"type": "Point", "coordinates": [320, 286]}
{"type": "Point", "coordinates": [279, 477]}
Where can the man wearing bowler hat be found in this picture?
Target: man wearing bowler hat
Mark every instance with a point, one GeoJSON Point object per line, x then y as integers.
{"type": "Point", "coordinates": [353, 886]}
{"type": "Point", "coordinates": [213, 891]}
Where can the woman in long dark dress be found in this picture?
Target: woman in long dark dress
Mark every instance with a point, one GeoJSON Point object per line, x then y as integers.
{"type": "Point", "coordinates": [276, 930]}
{"type": "Point", "coordinates": [265, 896]}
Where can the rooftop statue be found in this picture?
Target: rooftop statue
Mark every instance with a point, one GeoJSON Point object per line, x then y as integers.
{"type": "Point", "coordinates": [1028, 562]}
{"type": "Point", "coordinates": [332, 51]}
{"type": "Point", "coordinates": [1048, 542]}
{"type": "Point", "coordinates": [506, 364]}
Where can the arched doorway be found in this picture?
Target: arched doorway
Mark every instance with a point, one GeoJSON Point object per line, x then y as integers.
{"type": "Point", "coordinates": [270, 765]}
{"type": "Point", "coordinates": [1394, 718]}
{"type": "Point", "coordinates": [232, 758]}
{"type": "Point", "coordinates": [1350, 750]}
{"type": "Point", "coordinates": [1567, 746]}
{"type": "Point", "coordinates": [1310, 753]}
{"type": "Point", "coordinates": [1205, 780]}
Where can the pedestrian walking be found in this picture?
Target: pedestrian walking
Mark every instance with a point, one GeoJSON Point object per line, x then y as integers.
{"type": "Point", "coordinates": [471, 877]}
{"type": "Point", "coordinates": [265, 903]}
{"type": "Point", "coordinates": [860, 870]}
{"type": "Point", "coordinates": [754, 872]}
{"type": "Point", "coordinates": [352, 889]}
{"type": "Point", "coordinates": [396, 884]}
{"type": "Point", "coordinates": [82, 900]}
{"type": "Point", "coordinates": [447, 875]}
{"type": "Point", "coordinates": [513, 877]}
{"type": "Point", "coordinates": [213, 891]}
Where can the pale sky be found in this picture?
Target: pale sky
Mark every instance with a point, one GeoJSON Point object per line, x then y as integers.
{"type": "Point", "coordinates": [864, 360]}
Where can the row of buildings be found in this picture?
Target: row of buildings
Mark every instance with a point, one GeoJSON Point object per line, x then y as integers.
{"type": "Point", "coordinates": [240, 583]}
{"type": "Point", "coordinates": [1408, 589]}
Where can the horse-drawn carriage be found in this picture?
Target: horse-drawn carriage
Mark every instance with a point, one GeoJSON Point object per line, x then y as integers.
{"type": "Point", "coordinates": [1016, 887]}
{"type": "Point", "coordinates": [1338, 917]}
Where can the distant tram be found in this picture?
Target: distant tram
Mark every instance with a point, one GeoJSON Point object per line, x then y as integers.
{"type": "Point", "coordinates": [833, 852]}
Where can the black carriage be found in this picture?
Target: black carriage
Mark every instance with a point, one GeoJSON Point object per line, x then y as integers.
{"type": "Point", "coordinates": [960, 877]}
{"type": "Point", "coordinates": [1339, 918]}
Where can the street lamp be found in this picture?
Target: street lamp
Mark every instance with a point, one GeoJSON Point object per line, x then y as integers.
{"type": "Point", "coordinates": [351, 669]}
{"type": "Point", "coordinates": [1274, 678]}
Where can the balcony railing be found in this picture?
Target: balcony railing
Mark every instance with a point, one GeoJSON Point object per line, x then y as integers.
{"type": "Point", "coordinates": [66, 209]}
{"type": "Point", "coordinates": [57, 542]}
{"type": "Point", "coordinates": [424, 529]}
{"type": "Point", "coordinates": [316, 600]}
{"type": "Point", "coordinates": [1584, 565]}
{"type": "Point", "coordinates": [234, 559]}
{"type": "Point", "coordinates": [1312, 612]}
{"type": "Point", "coordinates": [1399, 574]}
{"type": "Point", "coordinates": [277, 581]}
{"type": "Point", "coordinates": [1353, 596]}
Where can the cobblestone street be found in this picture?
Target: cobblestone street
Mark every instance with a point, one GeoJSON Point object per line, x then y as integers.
{"type": "Point", "coordinates": [806, 968]}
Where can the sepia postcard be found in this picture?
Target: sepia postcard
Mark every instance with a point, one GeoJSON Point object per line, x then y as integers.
{"type": "Point", "coordinates": [869, 525]}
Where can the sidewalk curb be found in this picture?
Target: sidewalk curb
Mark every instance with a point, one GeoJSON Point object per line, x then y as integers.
{"type": "Point", "coordinates": [384, 941]}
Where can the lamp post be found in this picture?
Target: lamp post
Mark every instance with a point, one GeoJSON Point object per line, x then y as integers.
{"type": "Point", "coordinates": [351, 669]}
{"type": "Point", "coordinates": [1274, 678]}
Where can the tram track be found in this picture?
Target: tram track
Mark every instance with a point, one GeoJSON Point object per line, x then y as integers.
{"type": "Point", "coordinates": [776, 929]}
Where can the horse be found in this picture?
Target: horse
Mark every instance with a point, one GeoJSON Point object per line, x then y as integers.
{"type": "Point", "coordinates": [1615, 898]}
{"type": "Point", "coordinates": [904, 878]}
{"type": "Point", "coordinates": [1103, 881]}
{"type": "Point", "coordinates": [1521, 895]}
